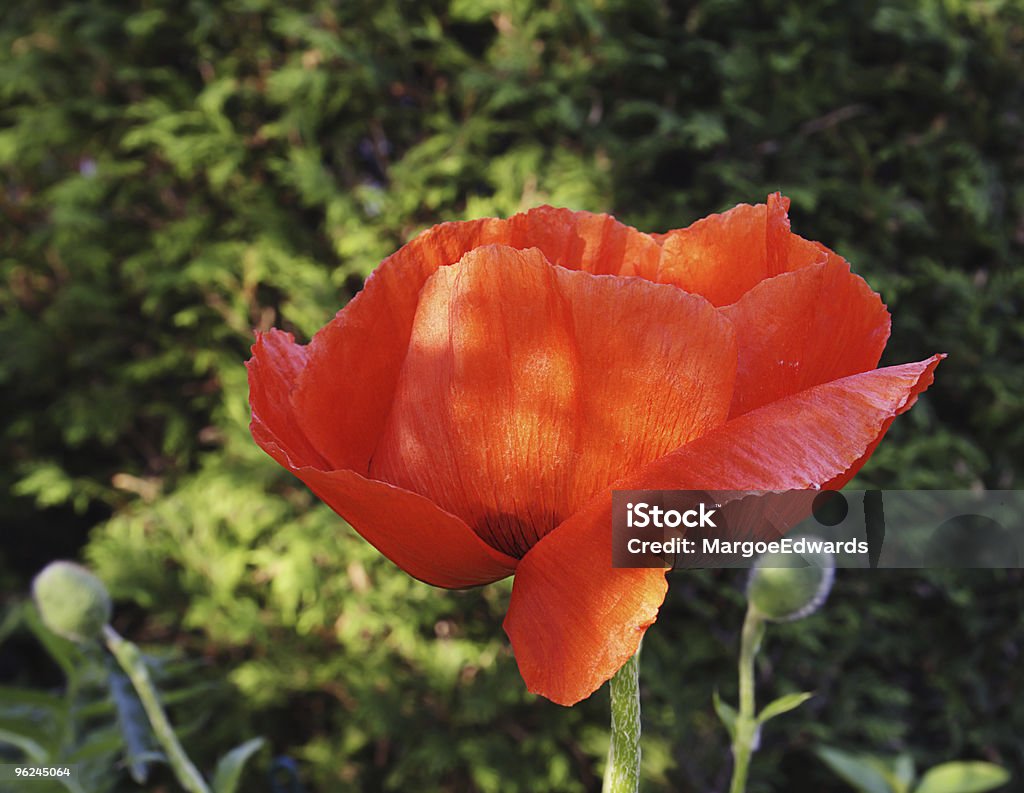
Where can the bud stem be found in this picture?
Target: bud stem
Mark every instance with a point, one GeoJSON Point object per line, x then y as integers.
{"type": "Point", "coordinates": [622, 773]}
{"type": "Point", "coordinates": [745, 737]}
{"type": "Point", "coordinates": [131, 661]}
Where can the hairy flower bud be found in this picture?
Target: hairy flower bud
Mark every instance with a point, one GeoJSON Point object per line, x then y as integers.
{"type": "Point", "coordinates": [784, 587]}
{"type": "Point", "coordinates": [72, 602]}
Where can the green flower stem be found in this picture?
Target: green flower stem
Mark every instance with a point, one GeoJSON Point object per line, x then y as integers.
{"type": "Point", "coordinates": [622, 774]}
{"type": "Point", "coordinates": [131, 661]}
{"type": "Point", "coordinates": [747, 727]}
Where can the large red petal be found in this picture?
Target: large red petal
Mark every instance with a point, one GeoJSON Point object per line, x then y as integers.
{"type": "Point", "coordinates": [573, 619]}
{"type": "Point", "coordinates": [802, 441]}
{"type": "Point", "coordinates": [723, 256]}
{"type": "Point", "coordinates": [344, 394]}
{"type": "Point", "coordinates": [405, 527]}
{"type": "Point", "coordinates": [528, 388]}
{"type": "Point", "coordinates": [414, 533]}
{"type": "Point", "coordinates": [804, 328]}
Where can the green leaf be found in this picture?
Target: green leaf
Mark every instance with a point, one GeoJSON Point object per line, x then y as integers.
{"type": "Point", "coordinates": [10, 621]}
{"type": "Point", "coordinates": [903, 772]}
{"type": "Point", "coordinates": [97, 744]}
{"type": "Point", "coordinates": [229, 769]}
{"type": "Point", "coordinates": [972, 777]}
{"type": "Point", "coordinates": [29, 698]}
{"type": "Point", "coordinates": [33, 750]}
{"type": "Point", "coordinates": [856, 770]}
{"type": "Point", "coordinates": [726, 713]}
{"type": "Point", "coordinates": [783, 704]}
{"type": "Point", "coordinates": [135, 730]}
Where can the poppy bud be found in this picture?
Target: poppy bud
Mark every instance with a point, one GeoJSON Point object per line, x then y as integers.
{"type": "Point", "coordinates": [72, 602]}
{"type": "Point", "coordinates": [786, 587]}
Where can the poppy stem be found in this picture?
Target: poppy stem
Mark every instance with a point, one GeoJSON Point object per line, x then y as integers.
{"type": "Point", "coordinates": [131, 661]}
{"type": "Point", "coordinates": [747, 728]}
{"type": "Point", "coordinates": [622, 773]}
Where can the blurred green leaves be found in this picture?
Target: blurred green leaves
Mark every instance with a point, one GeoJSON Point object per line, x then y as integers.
{"type": "Point", "coordinates": [869, 773]}
{"type": "Point", "coordinates": [228, 775]}
{"type": "Point", "coordinates": [77, 726]}
{"type": "Point", "coordinates": [976, 777]}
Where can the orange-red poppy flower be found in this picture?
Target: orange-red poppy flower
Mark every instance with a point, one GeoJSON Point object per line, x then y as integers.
{"type": "Point", "coordinates": [469, 412]}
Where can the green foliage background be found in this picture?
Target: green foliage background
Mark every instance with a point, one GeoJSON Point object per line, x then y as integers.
{"type": "Point", "coordinates": [177, 174]}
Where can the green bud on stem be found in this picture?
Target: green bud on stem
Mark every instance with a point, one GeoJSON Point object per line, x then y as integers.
{"type": "Point", "coordinates": [783, 587]}
{"type": "Point", "coordinates": [72, 602]}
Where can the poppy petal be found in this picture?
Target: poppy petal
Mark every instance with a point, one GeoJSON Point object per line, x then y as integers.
{"type": "Point", "coordinates": [804, 328]}
{"type": "Point", "coordinates": [723, 256]}
{"type": "Point", "coordinates": [528, 388]}
{"type": "Point", "coordinates": [344, 394]}
{"type": "Point", "coordinates": [573, 619]}
{"type": "Point", "coordinates": [414, 533]}
{"type": "Point", "coordinates": [594, 243]}
{"type": "Point", "coordinates": [275, 365]}
{"type": "Point", "coordinates": [405, 527]}
{"type": "Point", "coordinates": [802, 441]}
